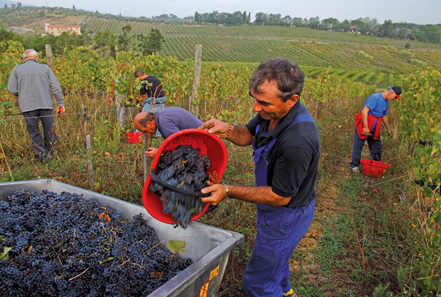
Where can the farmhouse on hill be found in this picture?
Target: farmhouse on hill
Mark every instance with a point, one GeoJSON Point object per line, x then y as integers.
{"type": "Point", "coordinates": [355, 29]}
{"type": "Point", "coordinates": [56, 30]}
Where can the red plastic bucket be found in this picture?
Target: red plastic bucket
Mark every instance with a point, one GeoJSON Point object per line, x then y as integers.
{"type": "Point", "coordinates": [374, 168]}
{"type": "Point", "coordinates": [208, 144]}
{"type": "Point", "coordinates": [134, 137]}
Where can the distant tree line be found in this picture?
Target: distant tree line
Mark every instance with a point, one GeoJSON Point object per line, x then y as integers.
{"type": "Point", "coordinates": [108, 42]}
{"type": "Point", "coordinates": [229, 19]}
{"type": "Point", "coordinates": [366, 26]}
{"type": "Point", "coordinates": [13, 5]}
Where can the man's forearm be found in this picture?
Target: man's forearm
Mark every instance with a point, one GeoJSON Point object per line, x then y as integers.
{"type": "Point", "coordinates": [258, 195]}
{"type": "Point", "coordinates": [386, 122]}
{"type": "Point", "coordinates": [142, 99]}
{"type": "Point", "coordinates": [240, 135]}
{"type": "Point", "coordinates": [364, 118]}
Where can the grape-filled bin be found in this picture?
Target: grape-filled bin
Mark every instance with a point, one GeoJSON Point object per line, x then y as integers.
{"type": "Point", "coordinates": [208, 247]}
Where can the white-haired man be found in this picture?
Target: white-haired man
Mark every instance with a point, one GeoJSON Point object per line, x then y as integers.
{"type": "Point", "coordinates": [32, 83]}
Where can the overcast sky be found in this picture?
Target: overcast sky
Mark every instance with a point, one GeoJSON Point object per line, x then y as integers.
{"type": "Point", "coordinates": [409, 11]}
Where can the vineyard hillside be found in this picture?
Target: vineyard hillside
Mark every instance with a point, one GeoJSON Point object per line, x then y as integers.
{"type": "Point", "coordinates": [353, 55]}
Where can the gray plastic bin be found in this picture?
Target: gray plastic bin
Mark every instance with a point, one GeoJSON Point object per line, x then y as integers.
{"type": "Point", "coordinates": [208, 247]}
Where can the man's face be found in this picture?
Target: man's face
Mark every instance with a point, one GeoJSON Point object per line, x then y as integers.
{"type": "Point", "coordinates": [268, 103]}
{"type": "Point", "coordinates": [150, 127]}
{"type": "Point", "coordinates": [392, 96]}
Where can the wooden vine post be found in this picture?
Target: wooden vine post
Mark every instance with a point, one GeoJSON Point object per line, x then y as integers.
{"type": "Point", "coordinates": [89, 162]}
{"type": "Point", "coordinates": [197, 77]}
{"type": "Point", "coordinates": [48, 49]}
{"type": "Point", "coordinates": [147, 144]}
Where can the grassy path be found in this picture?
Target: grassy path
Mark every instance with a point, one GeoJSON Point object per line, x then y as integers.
{"type": "Point", "coordinates": [359, 243]}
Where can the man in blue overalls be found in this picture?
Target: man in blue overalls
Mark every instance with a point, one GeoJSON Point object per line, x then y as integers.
{"type": "Point", "coordinates": [286, 146]}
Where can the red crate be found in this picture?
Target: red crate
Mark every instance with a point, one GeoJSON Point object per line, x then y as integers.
{"type": "Point", "coordinates": [134, 137]}
{"type": "Point", "coordinates": [374, 168]}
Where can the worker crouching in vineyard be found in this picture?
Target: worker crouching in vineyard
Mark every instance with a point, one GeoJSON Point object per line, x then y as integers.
{"type": "Point", "coordinates": [32, 83]}
{"type": "Point", "coordinates": [286, 146]}
{"type": "Point", "coordinates": [368, 123]}
{"type": "Point", "coordinates": [168, 121]}
{"type": "Point", "coordinates": [152, 94]}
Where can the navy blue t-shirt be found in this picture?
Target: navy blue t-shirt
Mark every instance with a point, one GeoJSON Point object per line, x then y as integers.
{"type": "Point", "coordinates": [293, 160]}
{"type": "Point", "coordinates": [152, 88]}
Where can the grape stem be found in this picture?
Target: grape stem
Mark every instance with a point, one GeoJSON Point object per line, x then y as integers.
{"type": "Point", "coordinates": [79, 274]}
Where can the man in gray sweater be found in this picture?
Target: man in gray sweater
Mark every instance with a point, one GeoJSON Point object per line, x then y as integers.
{"type": "Point", "coordinates": [32, 82]}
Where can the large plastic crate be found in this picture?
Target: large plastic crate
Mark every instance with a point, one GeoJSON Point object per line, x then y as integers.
{"type": "Point", "coordinates": [208, 247]}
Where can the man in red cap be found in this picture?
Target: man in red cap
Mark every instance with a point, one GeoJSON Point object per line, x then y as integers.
{"type": "Point", "coordinates": [368, 123]}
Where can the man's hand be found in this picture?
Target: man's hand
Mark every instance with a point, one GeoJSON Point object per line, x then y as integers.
{"type": "Point", "coordinates": [60, 110]}
{"type": "Point", "coordinates": [218, 193]}
{"type": "Point", "coordinates": [366, 131]}
{"type": "Point", "coordinates": [142, 99]}
{"type": "Point", "coordinates": [151, 152]}
{"type": "Point", "coordinates": [389, 131]}
{"type": "Point", "coordinates": [215, 127]}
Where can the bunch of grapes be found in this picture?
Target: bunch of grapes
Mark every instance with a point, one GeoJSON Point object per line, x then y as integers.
{"type": "Point", "coordinates": [183, 168]}
{"type": "Point", "coordinates": [65, 245]}
{"type": "Point", "coordinates": [419, 182]}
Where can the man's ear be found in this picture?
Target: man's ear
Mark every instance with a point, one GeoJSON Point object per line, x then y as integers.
{"type": "Point", "coordinates": [293, 100]}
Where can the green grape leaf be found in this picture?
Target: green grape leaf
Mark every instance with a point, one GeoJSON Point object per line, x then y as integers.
{"type": "Point", "coordinates": [5, 255]}
{"type": "Point", "coordinates": [176, 246]}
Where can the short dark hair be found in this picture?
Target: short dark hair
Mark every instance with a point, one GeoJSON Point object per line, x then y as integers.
{"type": "Point", "coordinates": [288, 76]}
{"type": "Point", "coordinates": [150, 116]}
{"type": "Point", "coordinates": [138, 73]}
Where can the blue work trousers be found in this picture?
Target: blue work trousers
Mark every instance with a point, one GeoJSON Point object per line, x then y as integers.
{"type": "Point", "coordinates": [374, 148]}
{"type": "Point", "coordinates": [159, 104]}
{"type": "Point", "coordinates": [279, 230]}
